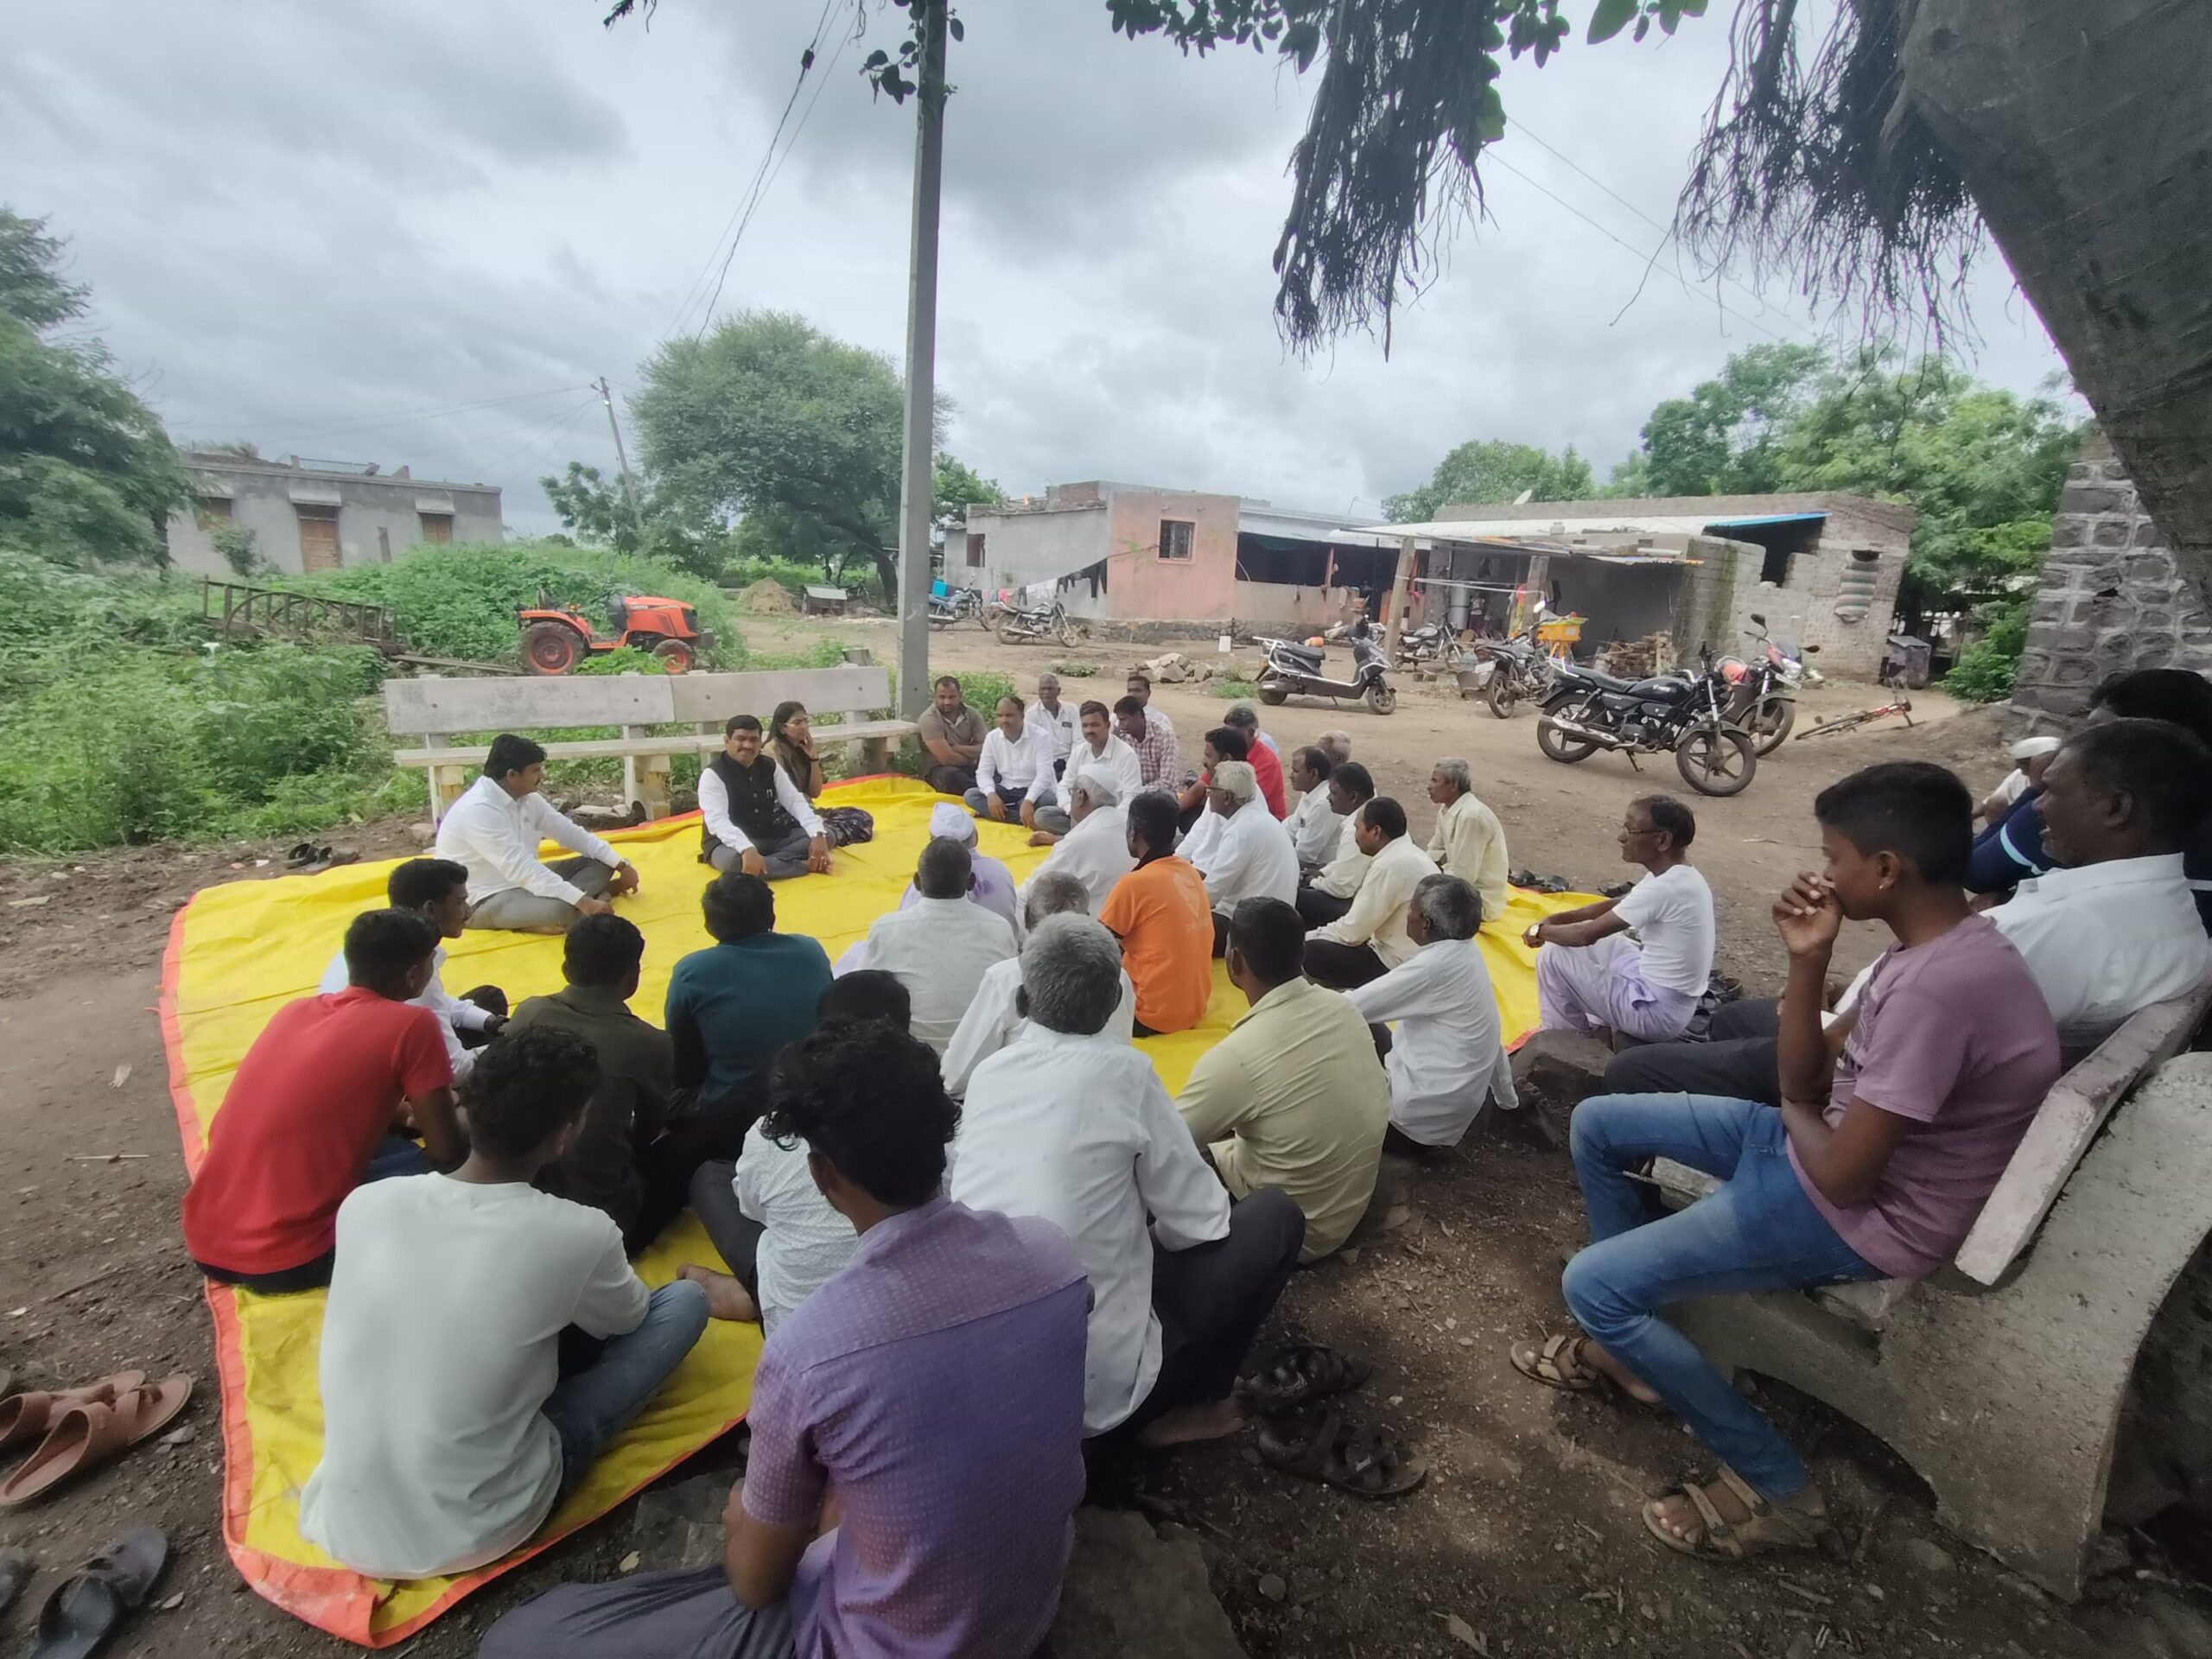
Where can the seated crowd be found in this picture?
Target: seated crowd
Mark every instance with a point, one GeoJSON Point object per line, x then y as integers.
{"type": "Point", "coordinates": [975, 1225]}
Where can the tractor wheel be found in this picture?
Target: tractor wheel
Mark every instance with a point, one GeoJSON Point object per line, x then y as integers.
{"type": "Point", "coordinates": [552, 648]}
{"type": "Point", "coordinates": [676, 655]}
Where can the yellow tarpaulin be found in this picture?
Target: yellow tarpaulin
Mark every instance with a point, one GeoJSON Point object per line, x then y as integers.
{"type": "Point", "coordinates": [239, 952]}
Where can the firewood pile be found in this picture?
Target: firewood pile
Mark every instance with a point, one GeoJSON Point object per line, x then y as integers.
{"type": "Point", "coordinates": [1638, 659]}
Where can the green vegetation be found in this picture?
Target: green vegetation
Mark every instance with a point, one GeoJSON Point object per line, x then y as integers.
{"type": "Point", "coordinates": [1986, 668]}
{"type": "Point", "coordinates": [1487, 470]}
{"type": "Point", "coordinates": [1232, 689]}
{"type": "Point", "coordinates": [1075, 670]}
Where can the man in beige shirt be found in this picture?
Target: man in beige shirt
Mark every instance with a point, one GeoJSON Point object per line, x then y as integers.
{"type": "Point", "coordinates": [1293, 1097]}
{"type": "Point", "coordinates": [1468, 841]}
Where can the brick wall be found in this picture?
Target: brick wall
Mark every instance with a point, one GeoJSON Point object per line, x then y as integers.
{"type": "Point", "coordinates": [2112, 597]}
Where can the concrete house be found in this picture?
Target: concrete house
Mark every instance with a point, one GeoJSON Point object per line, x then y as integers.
{"type": "Point", "coordinates": [319, 515]}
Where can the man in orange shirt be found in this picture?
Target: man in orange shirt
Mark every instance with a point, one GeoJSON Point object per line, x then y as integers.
{"type": "Point", "coordinates": [1161, 915]}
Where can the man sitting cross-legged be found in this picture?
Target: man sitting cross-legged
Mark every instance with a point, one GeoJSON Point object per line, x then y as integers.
{"type": "Point", "coordinates": [1446, 1058]}
{"type": "Point", "coordinates": [448, 1431]}
{"type": "Point", "coordinates": [612, 1163]}
{"type": "Point", "coordinates": [767, 1219]}
{"type": "Point", "coordinates": [1468, 840]}
{"type": "Point", "coordinates": [941, 946]}
{"type": "Point", "coordinates": [313, 1110]}
{"type": "Point", "coordinates": [1096, 849]}
{"type": "Point", "coordinates": [1313, 824]}
{"type": "Point", "coordinates": [1071, 1123]}
{"type": "Point", "coordinates": [494, 830]}
{"type": "Point", "coordinates": [1100, 754]}
{"type": "Point", "coordinates": [731, 1007]}
{"type": "Point", "coordinates": [994, 1017]}
{"type": "Point", "coordinates": [1159, 911]}
{"type": "Point", "coordinates": [754, 817]}
{"type": "Point", "coordinates": [1370, 938]}
{"type": "Point", "coordinates": [1590, 977]}
{"type": "Point", "coordinates": [1886, 1146]}
{"type": "Point", "coordinates": [916, 1426]}
{"type": "Point", "coordinates": [437, 889]}
{"type": "Point", "coordinates": [1247, 855]}
{"type": "Point", "coordinates": [1014, 775]}
{"type": "Point", "coordinates": [1293, 1097]}
{"type": "Point", "coordinates": [1325, 892]}
{"type": "Point", "coordinates": [2109, 932]}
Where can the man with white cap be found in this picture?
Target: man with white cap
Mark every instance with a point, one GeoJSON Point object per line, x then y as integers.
{"type": "Point", "coordinates": [1095, 850]}
{"type": "Point", "coordinates": [2033, 755]}
{"type": "Point", "coordinates": [1247, 855]}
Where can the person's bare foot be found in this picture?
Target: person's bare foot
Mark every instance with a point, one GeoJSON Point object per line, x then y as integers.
{"type": "Point", "coordinates": [726, 1298]}
{"type": "Point", "coordinates": [1681, 1519]}
{"type": "Point", "coordinates": [1185, 1425]}
{"type": "Point", "coordinates": [1591, 1354]}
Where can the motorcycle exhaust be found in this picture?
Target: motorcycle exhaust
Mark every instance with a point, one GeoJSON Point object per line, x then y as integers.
{"type": "Point", "coordinates": [1587, 733]}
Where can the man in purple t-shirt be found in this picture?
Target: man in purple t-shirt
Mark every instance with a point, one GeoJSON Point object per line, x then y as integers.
{"type": "Point", "coordinates": [917, 1424]}
{"type": "Point", "coordinates": [1895, 1125]}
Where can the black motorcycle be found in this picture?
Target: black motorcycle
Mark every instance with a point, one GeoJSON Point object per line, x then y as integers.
{"type": "Point", "coordinates": [1588, 711]}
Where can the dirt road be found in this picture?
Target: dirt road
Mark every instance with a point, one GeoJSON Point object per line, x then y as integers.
{"type": "Point", "coordinates": [1526, 1534]}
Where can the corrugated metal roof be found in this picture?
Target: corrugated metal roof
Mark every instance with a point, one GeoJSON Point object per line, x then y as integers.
{"type": "Point", "coordinates": [1477, 530]}
{"type": "Point", "coordinates": [1771, 519]}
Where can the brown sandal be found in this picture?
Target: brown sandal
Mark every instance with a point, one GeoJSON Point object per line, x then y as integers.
{"type": "Point", "coordinates": [1557, 1365]}
{"type": "Point", "coordinates": [87, 1435]}
{"type": "Point", "coordinates": [1771, 1526]}
{"type": "Point", "coordinates": [28, 1416]}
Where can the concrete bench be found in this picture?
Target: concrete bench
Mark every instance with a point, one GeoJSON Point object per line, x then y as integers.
{"type": "Point", "coordinates": [2000, 1378]}
{"type": "Point", "coordinates": [434, 710]}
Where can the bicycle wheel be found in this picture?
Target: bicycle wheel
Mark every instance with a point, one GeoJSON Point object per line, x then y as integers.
{"type": "Point", "coordinates": [1829, 727]}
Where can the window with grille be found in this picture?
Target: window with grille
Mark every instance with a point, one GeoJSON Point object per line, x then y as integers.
{"type": "Point", "coordinates": [1175, 538]}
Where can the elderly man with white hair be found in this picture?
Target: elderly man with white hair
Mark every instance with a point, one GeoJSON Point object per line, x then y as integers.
{"type": "Point", "coordinates": [1468, 840]}
{"type": "Point", "coordinates": [1447, 1055]}
{"type": "Point", "coordinates": [1095, 850]}
{"type": "Point", "coordinates": [1071, 1123]}
{"type": "Point", "coordinates": [994, 1017]}
{"type": "Point", "coordinates": [940, 946]}
{"type": "Point", "coordinates": [1099, 754]}
{"type": "Point", "coordinates": [1241, 849]}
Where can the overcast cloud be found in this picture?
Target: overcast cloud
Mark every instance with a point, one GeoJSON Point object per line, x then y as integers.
{"type": "Point", "coordinates": [310, 226]}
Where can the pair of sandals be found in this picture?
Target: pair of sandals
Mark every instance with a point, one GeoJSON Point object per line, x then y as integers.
{"type": "Point", "coordinates": [91, 1605]}
{"type": "Point", "coordinates": [307, 858]}
{"type": "Point", "coordinates": [1303, 1435]}
{"type": "Point", "coordinates": [76, 1430]}
{"type": "Point", "coordinates": [1558, 1363]}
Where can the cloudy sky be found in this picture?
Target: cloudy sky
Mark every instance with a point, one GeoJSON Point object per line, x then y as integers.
{"type": "Point", "coordinates": [415, 231]}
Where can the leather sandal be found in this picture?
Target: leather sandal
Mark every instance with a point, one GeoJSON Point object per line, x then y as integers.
{"type": "Point", "coordinates": [1769, 1527]}
{"type": "Point", "coordinates": [88, 1607]}
{"type": "Point", "coordinates": [27, 1416]}
{"type": "Point", "coordinates": [85, 1436]}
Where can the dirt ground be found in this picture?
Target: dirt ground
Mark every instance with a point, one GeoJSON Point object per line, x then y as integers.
{"type": "Point", "coordinates": [1524, 1541]}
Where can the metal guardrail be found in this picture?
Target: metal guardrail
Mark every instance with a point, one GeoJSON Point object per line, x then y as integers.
{"type": "Point", "coordinates": [238, 605]}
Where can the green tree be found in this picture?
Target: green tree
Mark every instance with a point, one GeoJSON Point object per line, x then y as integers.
{"type": "Point", "coordinates": [1724, 438]}
{"type": "Point", "coordinates": [957, 486]}
{"type": "Point", "coordinates": [1491, 469]}
{"type": "Point", "coordinates": [601, 513]}
{"type": "Point", "coordinates": [765, 416]}
{"type": "Point", "coordinates": [86, 473]}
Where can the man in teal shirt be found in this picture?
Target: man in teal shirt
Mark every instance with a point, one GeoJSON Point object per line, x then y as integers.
{"type": "Point", "coordinates": [732, 1007]}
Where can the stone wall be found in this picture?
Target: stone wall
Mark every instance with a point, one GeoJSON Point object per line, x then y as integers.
{"type": "Point", "coordinates": [2113, 597]}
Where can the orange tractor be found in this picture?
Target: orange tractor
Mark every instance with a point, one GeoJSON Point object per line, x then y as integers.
{"type": "Point", "coordinates": [556, 638]}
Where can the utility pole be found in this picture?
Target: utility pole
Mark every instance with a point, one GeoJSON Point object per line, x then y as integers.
{"type": "Point", "coordinates": [629, 484]}
{"type": "Point", "coordinates": [917, 472]}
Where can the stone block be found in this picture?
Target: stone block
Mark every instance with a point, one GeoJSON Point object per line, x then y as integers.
{"type": "Point", "coordinates": [1555, 1071]}
{"type": "Point", "coordinates": [2066, 531]}
{"type": "Point", "coordinates": [2115, 470]}
{"type": "Point", "coordinates": [2147, 534]}
{"type": "Point", "coordinates": [2148, 569]}
{"type": "Point", "coordinates": [1128, 1592]}
{"type": "Point", "coordinates": [2109, 532]}
{"type": "Point", "coordinates": [2093, 498]}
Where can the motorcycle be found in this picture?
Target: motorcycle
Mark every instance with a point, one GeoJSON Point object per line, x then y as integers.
{"type": "Point", "coordinates": [1589, 711]}
{"type": "Point", "coordinates": [1431, 643]}
{"type": "Point", "coordinates": [1508, 672]}
{"type": "Point", "coordinates": [945, 609]}
{"type": "Point", "coordinates": [1292, 670]}
{"type": "Point", "coordinates": [1019, 623]}
{"type": "Point", "coordinates": [1762, 700]}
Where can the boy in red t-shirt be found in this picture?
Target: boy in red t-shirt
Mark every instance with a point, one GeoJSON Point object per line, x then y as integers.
{"type": "Point", "coordinates": [310, 1113]}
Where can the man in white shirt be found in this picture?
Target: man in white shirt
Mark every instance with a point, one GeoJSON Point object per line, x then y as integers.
{"type": "Point", "coordinates": [1101, 754]}
{"type": "Point", "coordinates": [994, 1016]}
{"type": "Point", "coordinates": [1073, 1124]}
{"type": "Point", "coordinates": [1013, 777]}
{"type": "Point", "coordinates": [1328, 893]}
{"type": "Point", "coordinates": [1370, 939]}
{"type": "Point", "coordinates": [754, 818]}
{"type": "Point", "coordinates": [2114, 931]}
{"type": "Point", "coordinates": [1059, 718]}
{"type": "Point", "coordinates": [1468, 840]}
{"type": "Point", "coordinates": [941, 945]}
{"type": "Point", "coordinates": [1591, 977]}
{"type": "Point", "coordinates": [1446, 1057]}
{"type": "Point", "coordinates": [1248, 855]}
{"type": "Point", "coordinates": [1095, 848]}
{"type": "Point", "coordinates": [494, 830]}
{"type": "Point", "coordinates": [1313, 824]}
{"type": "Point", "coordinates": [438, 890]}
{"type": "Point", "coordinates": [448, 1432]}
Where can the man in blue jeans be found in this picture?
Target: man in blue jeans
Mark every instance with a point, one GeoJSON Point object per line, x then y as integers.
{"type": "Point", "coordinates": [449, 1431]}
{"type": "Point", "coordinates": [1894, 1127]}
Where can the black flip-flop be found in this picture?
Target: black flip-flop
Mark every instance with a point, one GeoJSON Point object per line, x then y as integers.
{"type": "Point", "coordinates": [1318, 1445]}
{"type": "Point", "coordinates": [92, 1603]}
{"type": "Point", "coordinates": [16, 1570]}
{"type": "Point", "coordinates": [1300, 1373]}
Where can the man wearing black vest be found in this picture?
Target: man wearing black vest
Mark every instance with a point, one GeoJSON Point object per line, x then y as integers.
{"type": "Point", "coordinates": [757, 820]}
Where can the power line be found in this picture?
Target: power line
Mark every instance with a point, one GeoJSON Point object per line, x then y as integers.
{"type": "Point", "coordinates": [1648, 258]}
{"type": "Point", "coordinates": [541, 431]}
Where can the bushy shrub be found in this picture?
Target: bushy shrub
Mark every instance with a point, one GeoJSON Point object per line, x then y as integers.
{"type": "Point", "coordinates": [623, 659]}
{"type": "Point", "coordinates": [1986, 668]}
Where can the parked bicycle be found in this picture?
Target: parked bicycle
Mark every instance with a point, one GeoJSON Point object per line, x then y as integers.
{"type": "Point", "coordinates": [1893, 682]}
